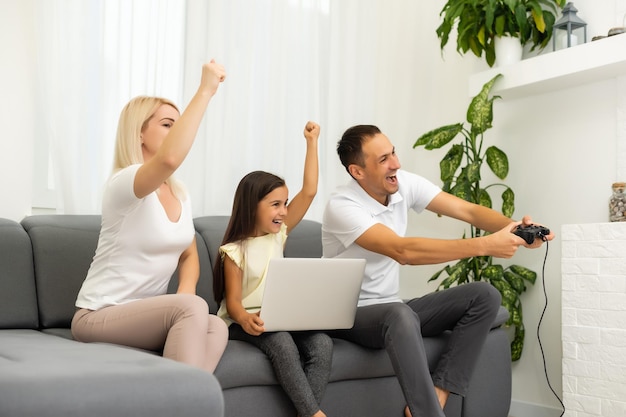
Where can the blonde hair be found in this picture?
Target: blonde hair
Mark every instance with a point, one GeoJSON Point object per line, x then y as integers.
{"type": "Point", "coordinates": [133, 120]}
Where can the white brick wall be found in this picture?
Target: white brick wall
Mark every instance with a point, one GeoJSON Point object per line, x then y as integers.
{"type": "Point", "coordinates": [593, 266]}
{"type": "Point", "coordinates": [621, 129]}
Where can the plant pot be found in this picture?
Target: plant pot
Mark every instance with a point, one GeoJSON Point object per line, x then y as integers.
{"type": "Point", "coordinates": [508, 50]}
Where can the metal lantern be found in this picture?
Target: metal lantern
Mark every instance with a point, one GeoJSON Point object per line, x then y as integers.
{"type": "Point", "coordinates": [569, 22]}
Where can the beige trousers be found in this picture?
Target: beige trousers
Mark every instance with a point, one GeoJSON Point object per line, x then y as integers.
{"type": "Point", "coordinates": [179, 325]}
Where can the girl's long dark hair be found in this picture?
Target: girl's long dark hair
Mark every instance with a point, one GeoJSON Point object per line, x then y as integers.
{"type": "Point", "coordinates": [251, 190]}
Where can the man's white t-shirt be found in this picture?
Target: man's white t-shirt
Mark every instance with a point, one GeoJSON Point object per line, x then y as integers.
{"type": "Point", "coordinates": [138, 248]}
{"type": "Point", "coordinates": [351, 211]}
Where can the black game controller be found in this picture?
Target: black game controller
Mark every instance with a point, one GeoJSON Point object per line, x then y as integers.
{"type": "Point", "coordinates": [529, 233]}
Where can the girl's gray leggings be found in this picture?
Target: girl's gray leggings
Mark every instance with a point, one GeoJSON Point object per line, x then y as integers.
{"type": "Point", "coordinates": [301, 362]}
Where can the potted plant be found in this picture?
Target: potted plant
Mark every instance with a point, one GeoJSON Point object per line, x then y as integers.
{"type": "Point", "coordinates": [480, 22]}
{"type": "Point", "coordinates": [461, 176]}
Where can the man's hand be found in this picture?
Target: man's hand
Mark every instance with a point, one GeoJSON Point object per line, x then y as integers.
{"type": "Point", "coordinates": [527, 221]}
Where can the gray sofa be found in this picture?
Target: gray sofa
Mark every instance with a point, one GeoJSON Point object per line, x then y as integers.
{"type": "Point", "coordinates": [43, 262]}
{"type": "Point", "coordinates": [44, 375]}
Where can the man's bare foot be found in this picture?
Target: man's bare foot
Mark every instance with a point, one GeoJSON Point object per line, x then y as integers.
{"type": "Point", "coordinates": [442, 396]}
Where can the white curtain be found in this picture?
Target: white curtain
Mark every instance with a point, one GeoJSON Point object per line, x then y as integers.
{"type": "Point", "coordinates": [338, 63]}
{"type": "Point", "coordinates": [93, 56]}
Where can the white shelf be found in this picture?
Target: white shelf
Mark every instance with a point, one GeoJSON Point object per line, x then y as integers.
{"type": "Point", "coordinates": [552, 71]}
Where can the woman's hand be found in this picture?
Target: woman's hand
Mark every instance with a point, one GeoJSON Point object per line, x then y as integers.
{"type": "Point", "coordinates": [212, 75]}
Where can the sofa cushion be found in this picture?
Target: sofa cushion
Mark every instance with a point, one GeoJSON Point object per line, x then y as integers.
{"type": "Point", "coordinates": [245, 365]}
{"type": "Point", "coordinates": [48, 376]}
{"type": "Point", "coordinates": [305, 241]}
{"type": "Point", "coordinates": [63, 248]}
{"type": "Point", "coordinates": [18, 298]}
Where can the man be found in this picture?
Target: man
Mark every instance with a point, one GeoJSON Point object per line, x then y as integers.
{"type": "Point", "coordinates": [367, 218]}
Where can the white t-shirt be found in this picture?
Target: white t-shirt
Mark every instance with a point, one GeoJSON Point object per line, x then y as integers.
{"type": "Point", "coordinates": [139, 247]}
{"type": "Point", "coordinates": [351, 211]}
{"type": "Point", "coordinates": [253, 256]}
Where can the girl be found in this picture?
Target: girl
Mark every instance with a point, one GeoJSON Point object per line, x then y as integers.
{"type": "Point", "coordinates": [257, 232]}
{"type": "Point", "coordinates": [147, 232]}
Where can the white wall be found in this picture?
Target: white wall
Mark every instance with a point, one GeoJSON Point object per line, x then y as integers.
{"type": "Point", "coordinates": [562, 150]}
{"type": "Point", "coordinates": [561, 147]}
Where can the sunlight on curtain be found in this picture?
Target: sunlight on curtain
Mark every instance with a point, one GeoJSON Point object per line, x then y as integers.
{"type": "Point", "coordinates": [93, 57]}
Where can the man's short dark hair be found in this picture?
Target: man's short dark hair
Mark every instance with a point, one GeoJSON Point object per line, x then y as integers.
{"type": "Point", "coordinates": [350, 146]}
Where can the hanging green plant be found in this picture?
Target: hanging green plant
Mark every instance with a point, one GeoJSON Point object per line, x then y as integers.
{"type": "Point", "coordinates": [460, 171]}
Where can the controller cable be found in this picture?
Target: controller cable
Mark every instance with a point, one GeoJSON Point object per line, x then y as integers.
{"type": "Point", "coordinates": [545, 307]}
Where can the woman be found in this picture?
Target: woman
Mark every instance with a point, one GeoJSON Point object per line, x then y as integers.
{"type": "Point", "coordinates": [147, 233]}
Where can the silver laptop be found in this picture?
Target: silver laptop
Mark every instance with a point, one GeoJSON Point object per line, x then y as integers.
{"type": "Point", "coordinates": [311, 293]}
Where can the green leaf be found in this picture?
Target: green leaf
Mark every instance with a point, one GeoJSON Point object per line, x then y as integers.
{"type": "Point", "coordinates": [515, 315]}
{"type": "Point", "coordinates": [480, 110]}
{"type": "Point", "coordinates": [521, 21]}
{"type": "Point", "coordinates": [478, 263]}
{"type": "Point", "coordinates": [517, 345]}
{"type": "Point", "coordinates": [490, 53]}
{"type": "Point", "coordinates": [481, 37]}
{"type": "Point", "coordinates": [484, 199]}
{"type": "Point", "coordinates": [508, 202]}
{"type": "Point", "coordinates": [493, 272]}
{"type": "Point", "coordinates": [500, 20]}
{"type": "Point", "coordinates": [443, 33]}
{"type": "Point", "coordinates": [475, 46]}
{"type": "Point", "coordinates": [463, 189]}
{"type": "Point", "coordinates": [446, 283]}
{"type": "Point", "coordinates": [537, 14]}
{"type": "Point", "coordinates": [490, 13]}
{"type": "Point", "coordinates": [473, 172]}
{"type": "Point", "coordinates": [457, 273]}
{"type": "Point", "coordinates": [451, 162]}
{"type": "Point", "coordinates": [509, 296]}
{"type": "Point", "coordinates": [497, 161]}
{"type": "Point", "coordinates": [435, 275]}
{"type": "Point", "coordinates": [525, 273]}
{"type": "Point", "coordinates": [515, 281]}
{"type": "Point", "coordinates": [511, 4]}
{"type": "Point", "coordinates": [438, 137]}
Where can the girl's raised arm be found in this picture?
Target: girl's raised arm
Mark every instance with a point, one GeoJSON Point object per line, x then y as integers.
{"type": "Point", "coordinates": [303, 199]}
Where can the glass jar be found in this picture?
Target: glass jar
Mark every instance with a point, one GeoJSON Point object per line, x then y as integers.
{"type": "Point", "coordinates": [617, 204]}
